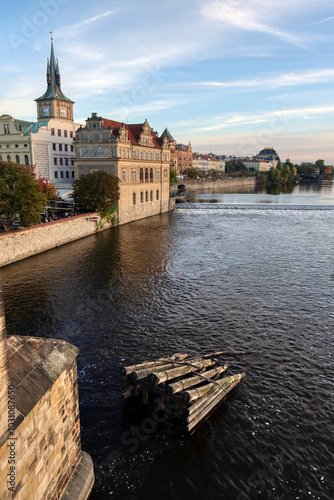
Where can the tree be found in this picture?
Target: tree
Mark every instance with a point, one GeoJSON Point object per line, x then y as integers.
{"type": "Point", "coordinates": [172, 177]}
{"type": "Point", "coordinates": [191, 172]}
{"type": "Point", "coordinates": [97, 191]}
{"type": "Point", "coordinates": [21, 196]}
{"type": "Point", "coordinates": [50, 191]}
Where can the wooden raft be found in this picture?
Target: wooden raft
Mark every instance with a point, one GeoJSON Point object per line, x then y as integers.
{"type": "Point", "coordinates": [195, 384]}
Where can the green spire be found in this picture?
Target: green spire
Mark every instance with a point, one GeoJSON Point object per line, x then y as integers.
{"type": "Point", "coordinates": [53, 90]}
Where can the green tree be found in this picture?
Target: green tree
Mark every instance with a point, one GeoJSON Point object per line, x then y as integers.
{"type": "Point", "coordinates": [191, 172]}
{"type": "Point", "coordinates": [172, 177]}
{"type": "Point", "coordinates": [21, 196]}
{"type": "Point", "coordinates": [320, 164]}
{"type": "Point", "coordinates": [97, 191]}
{"type": "Point", "coordinates": [279, 165]}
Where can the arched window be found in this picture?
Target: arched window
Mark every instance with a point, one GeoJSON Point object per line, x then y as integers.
{"type": "Point", "coordinates": [151, 175]}
{"type": "Point", "coordinates": [141, 175]}
{"type": "Point", "coordinates": [157, 194]}
{"type": "Point", "coordinates": [8, 158]}
{"type": "Point", "coordinates": [146, 196]}
{"type": "Point", "coordinates": [141, 197]}
{"type": "Point", "coordinates": [146, 174]}
{"type": "Point", "coordinates": [26, 159]}
{"type": "Point", "coordinates": [134, 198]}
{"type": "Point", "coordinates": [17, 159]}
{"type": "Point", "coordinates": [151, 195]}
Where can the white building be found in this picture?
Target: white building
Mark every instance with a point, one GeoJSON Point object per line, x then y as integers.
{"type": "Point", "coordinates": [48, 143]}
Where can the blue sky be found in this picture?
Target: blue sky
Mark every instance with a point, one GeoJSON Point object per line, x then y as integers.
{"type": "Point", "coordinates": [231, 76]}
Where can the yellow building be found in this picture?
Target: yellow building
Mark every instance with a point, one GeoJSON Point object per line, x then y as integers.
{"type": "Point", "coordinates": [135, 154]}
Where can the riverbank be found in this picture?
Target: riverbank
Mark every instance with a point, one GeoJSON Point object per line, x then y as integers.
{"type": "Point", "coordinates": [202, 186]}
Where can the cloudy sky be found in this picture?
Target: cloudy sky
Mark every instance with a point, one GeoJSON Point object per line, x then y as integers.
{"type": "Point", "coordinates": [231, 76]}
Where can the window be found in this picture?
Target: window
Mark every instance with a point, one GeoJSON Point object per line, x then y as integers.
{"type": "Point", "coordinates": [146, 196]}
{"type": "Point", "coordinates": [146, 174]}
{"type": "Point", "coordinates": [26, 145]}
{"type": "Point", "coordinates": [141, 175]}
{"type": "Point", "coordinates": [17, 159]}
{"type": "Point", "coordinates": [157, 194]}
{"type": "Point", "coordinates": [60, 161]}
{"type": "Point", "coordinates": [124, 175]}
{"type": "Point", "coordinates": [55, 161]}
{"type": "Point", "coordinates": [151, 195]}
{"type": "Point", "coordinates": [146, 156]}
{"type": "Point", "coordinates": [65, 147]}
{"type": "Point", "coordinates": [141, 197]}
{"type": "Point", "coordinates": [73, 174]}
{"type": "Point", "coordinates": [151, 156]}
{"type": "Point", "coordinates": [151, 175]}
{"type": "Point", "coordinates": [60, 146]}
{"type": "Point", "coordinates": [71, 135]}
{"type": "Point", "coordinates": [67, 174]}
{"type": "Point", "coordinates": [123, 153]}
{"type": "Point", "coordinates": [26, 159]}
{"type": "Point", "coordinates": [62, 174]}
{"type": "Point", "coordinates": [134, 198]}
{"type": "Point", "coordinates": [65, 133]}
{"type": "Point", "coordinates": [16, 145]}
{"type": "Point", "coordinates": [134, 176]}
{"type": "Point", "coordinates": [66, 161]}
{"type": "Point", "coordinates": [52, 131]}
{"type": "Point", "coordinates": [54, 147]}
{"type": "Point", "coordinates": [157, 174]}
{"type": "Point", "coordinates": [56, 175]}
{"type": "Point", "coordinates": [8, 158]}
{"type": "Point", "coordinates": [141, 155]}
{"type": "Point", "coordinates": [59, 133]}
{"type": "Point", "coordinates": [72, 163]}
{"type": "Point", "coordinates": [6, 128]}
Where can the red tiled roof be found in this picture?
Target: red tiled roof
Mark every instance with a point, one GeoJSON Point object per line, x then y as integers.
{"type": "Point", "coordinates": [134, 131]}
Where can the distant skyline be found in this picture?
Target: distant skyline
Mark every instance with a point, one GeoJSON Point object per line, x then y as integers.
{"type": "Point", "coordinates": [231, 76]}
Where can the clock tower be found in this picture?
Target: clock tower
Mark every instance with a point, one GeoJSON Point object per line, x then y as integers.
{"type": "Point", "coordinates": [54, 104]}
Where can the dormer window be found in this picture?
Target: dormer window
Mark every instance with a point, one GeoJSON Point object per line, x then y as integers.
{"type": "Point", "coordinates": [6, 128]}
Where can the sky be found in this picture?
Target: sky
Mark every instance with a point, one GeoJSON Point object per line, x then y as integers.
{"type": "Point", "coordinates": [229, 76]}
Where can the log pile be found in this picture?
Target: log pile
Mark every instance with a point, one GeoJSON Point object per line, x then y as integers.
{"type": "Point", "coordinates": [195, 384]}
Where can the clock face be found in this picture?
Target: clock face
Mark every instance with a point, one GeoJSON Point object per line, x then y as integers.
{"type": "Point", "coordinates": [63, 112]}
{"type": "Point", "coordinates": [46, 111]}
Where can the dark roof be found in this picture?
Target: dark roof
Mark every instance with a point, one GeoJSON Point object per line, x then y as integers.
{"type": "Point", "coordinates": [166, 133]}
{"type": "Point", "coordinates": [53, 90]}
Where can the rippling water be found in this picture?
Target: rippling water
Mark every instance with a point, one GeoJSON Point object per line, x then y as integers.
{"type": "Point", "coordinates": [198, 280]}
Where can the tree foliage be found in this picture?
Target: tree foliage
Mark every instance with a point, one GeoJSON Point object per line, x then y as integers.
{"type": "Point", "coordinates": [97, 191]}
{"type": "Point", "coordinates": [172, 177]}
{"type": "Point", "coordinates": [21, 196]}
{"type": "Point", "coordinates": [50, 191]}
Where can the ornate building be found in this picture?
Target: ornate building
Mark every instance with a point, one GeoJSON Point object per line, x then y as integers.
{"type": "Point", "coordinates": [181, 155]}
{"type": "Point", "coordinates": [136, 155]}
{"type": "Point", "coordinates": [48, 143]}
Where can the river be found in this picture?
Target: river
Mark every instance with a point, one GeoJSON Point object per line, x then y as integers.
{"type": "Point", "coordinates": [223, 275]}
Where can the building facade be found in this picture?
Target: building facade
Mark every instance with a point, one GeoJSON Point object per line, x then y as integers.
{"type": "Point", "coordinates": [48, 143]}
{"type": "Point", "coordinates": [259, 165]}
{"type": "Point", "coordinates": [133, 153]}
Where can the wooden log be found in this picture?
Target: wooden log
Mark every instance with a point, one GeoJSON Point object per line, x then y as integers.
{"type": "Point", "coordinates": [158, 377]}
{"type": "Point", "coordinates": [195, 418]}
{"type": "Point", "coordinates": [145, 372]}
{"type": "Point", "coordinates": [126, 370]}
{"type": "Point", "coordinates": [145, 395]}
{"type": "Point", "coordinates": [185, 383]}
{"type": "Point", "coordinates": [197, 393]}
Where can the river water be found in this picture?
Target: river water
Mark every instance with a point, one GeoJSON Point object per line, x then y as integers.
{"type": "Point", "coordinates": [212, 276]}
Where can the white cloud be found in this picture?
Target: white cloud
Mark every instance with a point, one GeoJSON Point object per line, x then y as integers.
{"type": "Point", "coordinates": [275, 81]}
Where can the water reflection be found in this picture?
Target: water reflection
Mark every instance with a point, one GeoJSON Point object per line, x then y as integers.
{"type": "Point", "coordinates": [304, 193]}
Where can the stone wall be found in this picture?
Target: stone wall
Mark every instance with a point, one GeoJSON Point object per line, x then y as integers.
{"type": "Point", "coordinates": [148, 209]}
{"type": "Point", "coordinates": [221, 183]}
{"type": "Point", "coordinates": [45, 446]}
{"type": "Point", "coordinates": [3, 371]}
{"type": "Point", "coordinates": [21, 244]}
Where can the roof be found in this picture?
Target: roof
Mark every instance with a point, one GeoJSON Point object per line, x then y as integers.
{"type": "Point", "coordinates": [134, 131]}
{"type": "Point", "coordinates": [53, 90]}
{"type": "Point", "coordinates": [166, 133]}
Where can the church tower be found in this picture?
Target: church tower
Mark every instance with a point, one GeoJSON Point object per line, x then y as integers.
{"type": "Point", "coordinates": [54, 104]}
